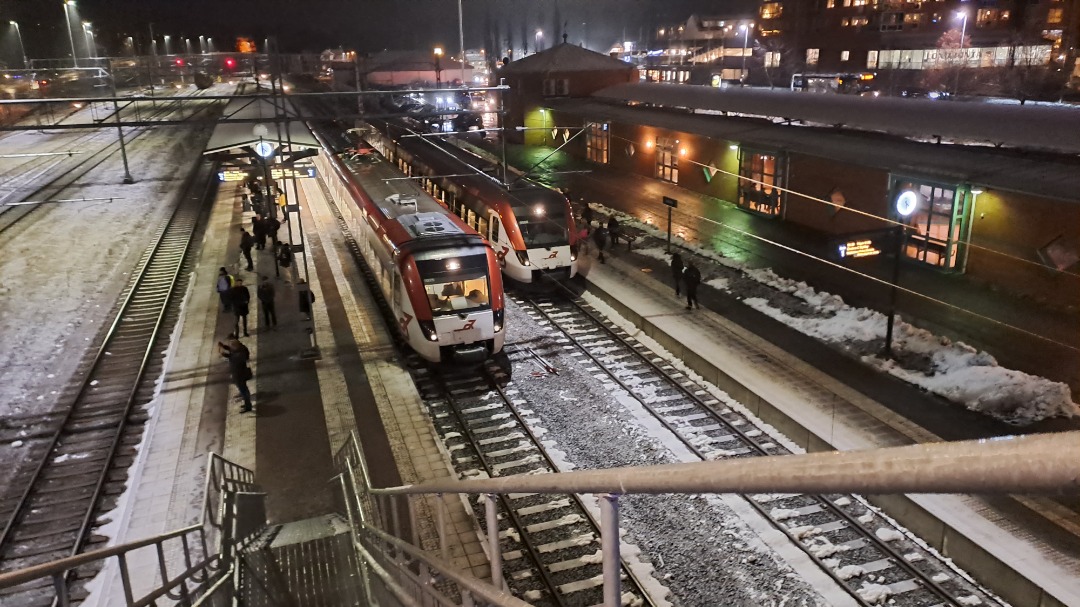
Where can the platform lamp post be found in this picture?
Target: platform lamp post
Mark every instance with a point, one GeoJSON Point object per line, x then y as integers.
{"type": "Point", "coordinates": [438, 66]}
{"type": "Point", "coordinates": [71, 37]}
{"type": "Point", "coordinates": [745, 28]}
{"type": "Point", "coordinates": [22, 49]}
{"type": "Point", "coordinates": [167, 49]}
{"type": "Point", "coordinates": [202, 45]}
{"type": "Point", "coordinates": [88, 36]}
{"type": "Point", "coordinates": [963, 33]}
{"type": "Point", "coordinates": [538, 40]}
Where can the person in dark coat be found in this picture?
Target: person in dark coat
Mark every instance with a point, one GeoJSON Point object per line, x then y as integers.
{"type": "Point", "coordinates": [246, 242]}
{"type": "Point", "coordinates": [614, 230]}
{"type": "Point", "coordinates": [305, 298]}
{"type": "Point", "coordinates": [241, 298]}
{"type": "Point", "coordinates": [599, 237]}
{"type": "Point", "coordinates": [677, 272]}
{"type": "Point", "coordinates": [692, 278]}
{"type": "Point", "coordinates": [238, 356]}
{"type": "Point", "coordinates": [224, 288]}
{"type": "Point", "coordinates": [266, 293]}
{"type": "Point", "coordinates": [587, 217]}
{"type": "Point", "coordinates": [258, 230]}
{"type": "Point", "coordinates": [284, 254]}
{"type": "Point", "coordinates": [272, 225]}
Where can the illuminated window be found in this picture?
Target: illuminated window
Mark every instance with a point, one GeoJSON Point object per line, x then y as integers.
{"type": "Point", "coordinates": [667, 159]}
{"type": "Point", "coordinates": [771, 10]}
{"type": "Point", "coordinates": [937, 217]}
{"type": "Point", "coordinates": [845, 22]}
{"type": "Point", "coordinates": [871, 60]}
{"type": "Point", "coordinates": [913, 19]}
{"type": "Point", "coordinates": [1055, 15]}
{"type": "Point", "coordinates": [830, 3]}
{"type": "Point", "coordinates": [758, 192]}
{"type": "Point", "coordinates": [847, 2]}
{"type": "Point", "coordinates": [860, 21]}
{"type": "Point", "coordinates": [772, 59]}
{"type": "Point", "coordinates": [598, 142]}
{"type": "Point", "coordinates": [845, 55]}
{"type": "Point", "coordinates": [812, 56]}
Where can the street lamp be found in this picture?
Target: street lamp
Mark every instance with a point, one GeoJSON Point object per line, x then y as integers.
{"type": "Point", "coordinates": [187, 45]}
{"type": "Point", "coordinates": [438, 66]}
{"type": "Point", "coordinates": [539, 40]}
{"type": "Point", "coordinates": [745, 28]}
{"type": "Point", "coordinates": [202, 45]}
{"type": "Point", "coordinates": [167, 45]}
{"type": "Point", "coordinates": [88, 37]}
{"type": "Point", "coordinates": [22, 49]}
{"type": "Point", "coordinates": [71, 38]}
{"type": "Point", "coordinates": [963, 33]}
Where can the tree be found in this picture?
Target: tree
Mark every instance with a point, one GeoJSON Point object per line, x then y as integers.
{"type": "Point", "coordinates": [779, 73]}
{"type": "Point", "coordinates": [949, 62]}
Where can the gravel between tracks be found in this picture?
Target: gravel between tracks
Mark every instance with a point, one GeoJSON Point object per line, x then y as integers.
{"type": "Point", "coordinates": [700, 548]}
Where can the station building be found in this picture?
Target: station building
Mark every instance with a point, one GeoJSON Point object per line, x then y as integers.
{"type": "Point", "coordinates": [988, 192]}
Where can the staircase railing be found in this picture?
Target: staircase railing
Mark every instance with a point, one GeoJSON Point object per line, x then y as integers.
{"type": "Point", "coordinates": [206, 550]}
{"type": "Point", "coordinates": [1030, 464]}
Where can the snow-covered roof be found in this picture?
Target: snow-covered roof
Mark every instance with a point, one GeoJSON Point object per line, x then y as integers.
{"type": "Point", "coordinates": [233, 135]}
{"type": "Point", "coordinates": [1047, 175]}
{"type": "Point", "coordinates": [1045, 128]}
{"type": "Point", "coordinates": [564, 57]}
{"type": "Point", "coordinates": [408, 61]}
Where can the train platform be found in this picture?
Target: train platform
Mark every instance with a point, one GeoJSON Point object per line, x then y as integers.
{"type": "Point", "coordinates": [315, 381]}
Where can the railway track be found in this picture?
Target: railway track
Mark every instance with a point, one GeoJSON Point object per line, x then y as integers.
{"type": "Point", "coordinates": [852, 542]}
{"type": "Point", "coordinates": [83, 452]}
{"type": "Point", "coordinates": [10, 216]}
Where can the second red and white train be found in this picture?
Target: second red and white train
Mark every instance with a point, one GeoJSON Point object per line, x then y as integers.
{"type": "Point", "coordinates": [441, 279]}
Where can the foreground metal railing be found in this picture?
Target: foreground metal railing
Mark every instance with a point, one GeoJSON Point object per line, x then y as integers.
{"type": "Point", "coordinates": [206, 549]}
{"type": "Point", "coordinates": [1031, 464]}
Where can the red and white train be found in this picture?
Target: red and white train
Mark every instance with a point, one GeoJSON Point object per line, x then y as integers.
{"type": "Point", "coordinates": [530, 226]}
{"type": "Point", "coordinates": [439, 276]}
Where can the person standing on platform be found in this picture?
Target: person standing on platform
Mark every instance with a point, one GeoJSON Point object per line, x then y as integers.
{"type": "Point", "coordinates": [272, 225]}
{"type": "Point", "coordinates": [587, 216]}
{"type": "Point", "coordinates": [238, 356]}
{"type": "Point", "coordinates": [305, 298]}
{"type": "Point", "coordinates": [599, 237]}
{"type": "Point", "coordinates": [246, 242]}
{"type": "Point", "coordinates": [614, 229]}
{"type": "Point", "coordinates": [241, 298]}
{"type": "Point", "coordinates": [266, 293]}
{"type": "Point", "coordinates": [224, 288]}
{"type": "Point", "coordinates": [692, 278]}
{"type": "Point", "coordinates": [284, 254]}
{"type": "Point", "coordinates": [258, 230]}
{"type": "Point", "coordinates": [677, 272]}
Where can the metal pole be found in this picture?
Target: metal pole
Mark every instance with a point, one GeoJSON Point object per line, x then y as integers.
{"type": "Point", "coordinates": [963, 33]}
{"type": "Point", "coordinates": [152, 73]}
{"type": "Point", "coordinates": [461, 40]}
{"type": "Point", "coordinates": [71, 38]}
{"type": "Point", "coordinates": [492, 514]}
{"type": "Point", "coordinates": [609, 538]}
{"type": "Point", "coordinates": [745, 41]}
{"type": "Point", "coordinates": [898, 234]}
{"type": "Point", "coordinates": [22, 49]}
{"type": "Point", "coordinates": [119, 129]}
{"type": "Point", "coordinates": [669, 230]}
{"type": "Point", "coordinates": [444, 547]}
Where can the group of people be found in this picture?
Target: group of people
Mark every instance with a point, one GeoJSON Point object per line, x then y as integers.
{"type": "Point", "coordinates": [688, 276]}
{"type": "Point", "coordinates": [600, 235]}
{"type": "Point", "coordinates": [236, 299]}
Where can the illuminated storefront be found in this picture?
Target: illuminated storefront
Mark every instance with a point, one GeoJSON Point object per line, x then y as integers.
{"type": "Point", "coordinates": [764, 175]}
{"type": "Point", "coordinates": [938, 216]}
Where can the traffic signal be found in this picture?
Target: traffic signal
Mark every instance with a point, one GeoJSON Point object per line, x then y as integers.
{"type": "Point", "coordinates": [179, 62]}
{"type": "Point", "coordinates": [230, 62]}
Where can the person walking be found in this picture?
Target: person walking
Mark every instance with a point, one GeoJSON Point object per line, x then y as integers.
{"type": "Point", "coordinates": [272, 226]}
{"type": "Point", "coordinates": [692, 278]}
{"type": "Point", "coordinates": [224, 286]}
{"type": "Point", "coordinates": [241, 298]}
{"type": "Point", "coordinates": [614, 231]}
{"type": "Point", "coordinates": [238, 356]}
{"type": "Point", "coordinates": [246, 242]}
{"type": "Point", "coordinates": [258, 230]}
{"type": "Point", "coordinates": [284, 254]}
{"type": "Point", "coordinates": [266, 293]}
{"type": "Point", "coordinates": [587, 217]}
{"type": "Point", "coordinates": [599, 236]}
{"type": "Point", "coordinates": [305, 298]}
{"type": "Point", "coordinates": [677, 272]}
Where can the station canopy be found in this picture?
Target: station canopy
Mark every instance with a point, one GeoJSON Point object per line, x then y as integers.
{"type": "Point", "coordinates": [259, 121]}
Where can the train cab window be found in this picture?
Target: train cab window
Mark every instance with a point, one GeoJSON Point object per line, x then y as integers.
{"type": "Point", "coordinates": [494, 228]}
{"type": "Point", "coordinates": [470, 218]}
{"type": "Point", "coordinates": [457, 296]}
{"type": "Point", "coordinates": [481, 226]}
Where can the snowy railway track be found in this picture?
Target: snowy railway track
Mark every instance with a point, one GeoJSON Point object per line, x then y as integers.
{"type": "Point", "coordinates": [854, 544]}
{"type": "Point", "coordinates": [83, 452]}
{"type": "Point", "coordinates": [550, 544]}
{"type": "Point", "coordinates": [11, 214]}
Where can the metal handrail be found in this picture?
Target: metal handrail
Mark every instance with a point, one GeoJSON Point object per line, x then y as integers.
{"type": "Point", "coordinates": [222, 477]}
{"type": "Point", "coordinates": [1037, 463]}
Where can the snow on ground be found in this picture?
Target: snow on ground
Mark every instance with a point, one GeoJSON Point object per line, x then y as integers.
{"type": "Point", "coordinates": [63, 268]}
{"type": "Point", "coordinates": [952, 370]}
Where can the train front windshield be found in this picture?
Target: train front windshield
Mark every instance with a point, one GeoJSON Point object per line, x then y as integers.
{"type": "Point", "coordinates": [543, 221]}
{"type": "Point", "coordinates": [456, 285]}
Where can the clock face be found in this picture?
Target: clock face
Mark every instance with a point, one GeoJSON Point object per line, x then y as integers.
{"type": "Point", "coordinates": [264, 149]}
{"type": "Point", "coordinates": [907, 202]}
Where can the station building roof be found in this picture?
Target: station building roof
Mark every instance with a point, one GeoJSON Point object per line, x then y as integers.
{"type": "Point", "coordinates": [564, 57]}
{"type": "Point", "coordinates": [1027, 127]}
{"type": "Point", "coordinates": [251, 111]}
{"type": "Point", "coordinates": [1040, 174]}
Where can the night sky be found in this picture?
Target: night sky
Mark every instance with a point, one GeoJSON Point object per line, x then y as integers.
{"type": "Point", "coordinates": [366, 25]}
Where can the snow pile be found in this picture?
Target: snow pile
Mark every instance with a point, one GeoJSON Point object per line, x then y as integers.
{"type": "Point", "coordinates": [875, 594]}
{"type": "Point", "coordinates": [952, 370]}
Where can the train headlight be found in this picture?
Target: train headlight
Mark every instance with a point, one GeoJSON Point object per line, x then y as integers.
{"type": "Point", "coordinates": [497, 317]}
{"type": "Point", "coordinates": [539, 210]}
{"type": "Point", "coordinates": [428, 328]}
{"type": "Point", "coordinates": [573, 251]}
{"type": "Point", "coordinates": [523, 257]}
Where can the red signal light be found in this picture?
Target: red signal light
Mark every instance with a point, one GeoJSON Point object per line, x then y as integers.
{"type": "Point", "coordinates": [179, 61]}
{"type": "Point", "coordinates": [230, 62]}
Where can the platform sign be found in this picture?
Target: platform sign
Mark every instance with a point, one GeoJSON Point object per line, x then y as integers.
{"type": "Point", "coordinates": [854, 249]}
{"type": "Point", "coordinates": [296, 172]}
{"type": "Point", "coordinates": [671, 202]}
{"type": "Point", "coordinates": [863, 245]}
{"type": "Point", "coordinates": [232, 175]}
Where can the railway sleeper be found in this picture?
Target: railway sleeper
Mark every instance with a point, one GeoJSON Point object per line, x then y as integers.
{"type": "Point", "coordinates": [38, 529]}
{"type": "Point", "coordinates": [39, 551]}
